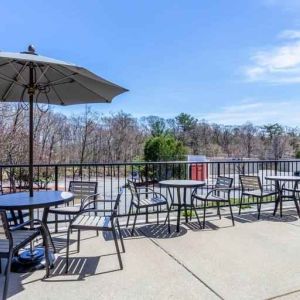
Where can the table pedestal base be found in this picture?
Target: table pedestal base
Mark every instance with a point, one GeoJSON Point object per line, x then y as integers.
{"type": "Point", "coordinates": [29, 261]}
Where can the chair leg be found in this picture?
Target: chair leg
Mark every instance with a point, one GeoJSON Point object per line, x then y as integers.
{"type": "Point", "coordinates": [230, 208]}
{"type": "Point", "coordinates": [197, 216]}
{"type": "Point", "coordinates": [56, 223]}
{"type": "Point", "coordinates": [48, 235]}
{"type": "Point", "coordinates": [45, 240]}
{"type": "Point", "coordinates": [241, 203]}
{"type": "Point", "coordinates": [121, 237]}
{"type": "Point", "coordinates": [157, 215]}
{"type": "Point", "coordinates": [78, 241]}
{"type": "Point", "coordinates": [168, 218]}
{"type": "Point", "coordinates": [218, 209]}
{"type": "Point", "coordinates": [67, 250]}
{"type": "Point", "coordinates": [296, 204]}
{"type": "Point", "coordinates": [259, 208]}
{"type": "Point", "coordinates": [135, 217]}
{"type": "Point", "coordinates": [6, 274]}
{"type": "Point", "coordinates": [117, 247]}
{"type": "Point", "coordinates": [204, 211]}
{"type": "Point", "coordinates": [168, 214]}
{"type": "Point", "coordinates": [130, 209]}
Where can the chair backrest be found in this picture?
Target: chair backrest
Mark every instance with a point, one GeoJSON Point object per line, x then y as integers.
{"type": "Point", "coordinates": [224, 182]}
{"type": "Point", "coordinates": [250, 183]}
{"type": "Point", "coordinates": [4, 228]}
{"type": "Point", "coordinates": [117, 203]}
{"type": "Point", "coordinates": [133, 190]}
{"type": "Point", "coordinates": [83, 189]}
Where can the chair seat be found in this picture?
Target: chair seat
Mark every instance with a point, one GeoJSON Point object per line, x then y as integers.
{"type": "Point", "coordinates": [65, 210]}
{"type": "Point", "coordinates": [91, 222]}
{"type": "Point", "coordinates": [20, 239]}
{"type": "Point", "coordinates": [148, 202]}
{"type": "Point", "coordinates": [204, 197]}
{"type": "Point", "coordinates": [259, 193]}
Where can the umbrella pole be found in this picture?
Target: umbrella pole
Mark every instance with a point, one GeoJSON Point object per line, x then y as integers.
{"type": "Point", "coordinates": [31, 94]}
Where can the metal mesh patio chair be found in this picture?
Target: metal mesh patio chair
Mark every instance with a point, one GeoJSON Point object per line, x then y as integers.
{"type": "Point", "coordinates": [81, 190]}
{"type": "Point", "coordinates": [143, 197]}
{"type": "Point", "coordinates": [252, 187]}
{"type": "Point", "coordinates": [13, 239]}
{"type": "Point", "coordinates": [292, 193]}
{"type": "Point", "coordinates": [219, 193]}
{"type": "Point", "coordinates": [88, 219]}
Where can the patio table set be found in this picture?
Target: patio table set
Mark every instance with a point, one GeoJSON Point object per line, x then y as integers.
{"type": "Point", "coordinates": [81, 205]}
{"type": "Point", "coordinates": [144, 197]}
{"type": "Point", "coordinates": [29, 78]}
{"type": "Point", "coordinates": [17, 235]}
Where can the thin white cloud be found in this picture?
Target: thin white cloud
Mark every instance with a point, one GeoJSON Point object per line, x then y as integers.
{"type": "Point", "coordinates": [279, 64]}
{"type": "Point", "coordinates": [289, 34]}
{"type": "Point", "coordinates": [259, 113]}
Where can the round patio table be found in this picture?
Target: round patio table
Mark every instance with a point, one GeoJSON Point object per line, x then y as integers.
{"type": "Point", "coordinates": [182, 203]}
{"type": "Point", "coordinates": [279, 182]}
{"type": "Point", "coordinates": [33, 259]}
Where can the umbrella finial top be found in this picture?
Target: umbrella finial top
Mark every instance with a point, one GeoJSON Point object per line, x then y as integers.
{"type": "Point", "coordinates": [31, 49]}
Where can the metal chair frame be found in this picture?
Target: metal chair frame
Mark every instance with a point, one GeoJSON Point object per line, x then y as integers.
{"type": "Point", "coordinates": [73, 185]}
{"type": "Point", "coordinates": [223, 185]}
{"type": "Point", "coordinates": [111, 222]}
{"type": "Point", "coordinates": [136, 192]}
{"type": "Point", "coordinates": [13, 249]}
{"type": "Point", "coordinates": [252, 187]}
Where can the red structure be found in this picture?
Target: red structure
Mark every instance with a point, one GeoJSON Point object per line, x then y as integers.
{"type": "Point", "coordinates": [198, 171]}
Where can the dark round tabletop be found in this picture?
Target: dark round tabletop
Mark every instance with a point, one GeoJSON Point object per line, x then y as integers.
{"type": "Point", "coordinates": [40, 199]}
{"type": "Point", "coordinates": [182, 183]}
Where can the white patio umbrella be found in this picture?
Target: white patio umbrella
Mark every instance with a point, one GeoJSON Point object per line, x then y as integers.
{"type": "Point", "coordinates": [29, 77]}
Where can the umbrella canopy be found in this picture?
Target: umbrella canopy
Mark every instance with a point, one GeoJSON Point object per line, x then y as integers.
{"type": "Point", "coordinates": [29, 77]}
{"type": "Point", "coordinates": [56, 82]}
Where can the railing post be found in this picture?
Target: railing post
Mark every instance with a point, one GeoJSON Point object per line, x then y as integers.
{"type": "Point", "coordinates": [56, 177]}
{"type": "Point", "coordinates": [276, 167]}
{"type": "Point", "coordinates": [147, 179]}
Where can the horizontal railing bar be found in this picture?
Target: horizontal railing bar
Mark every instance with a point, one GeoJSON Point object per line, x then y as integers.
{"type": "Point", "coordinates": [150, 163]}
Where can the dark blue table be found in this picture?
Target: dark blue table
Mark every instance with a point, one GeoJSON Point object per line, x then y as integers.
{"type": "Point", "coordinates": [32, 259]}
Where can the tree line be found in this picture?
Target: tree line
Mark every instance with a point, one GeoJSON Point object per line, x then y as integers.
{"type": "Point", "coordinates": [91, 137]}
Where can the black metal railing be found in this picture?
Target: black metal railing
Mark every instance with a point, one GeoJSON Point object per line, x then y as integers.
{"type": "Point", "coordinates": [112, 176]}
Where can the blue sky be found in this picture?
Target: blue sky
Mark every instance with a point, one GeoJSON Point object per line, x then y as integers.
{"type": "Point", "coordinates": [224, 61]}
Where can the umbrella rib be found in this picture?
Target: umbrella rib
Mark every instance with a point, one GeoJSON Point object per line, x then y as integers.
{"type": "Point", "coordinates": [19, 73]}
{"type": "Point", "coordinates": [54, 82]}
{"type": "Point", "coordinates": [6, 93]}
{"type": "Point", "coordinates": [4, 77]}
{"type": "Point", "coordinates": [43, 73]}
{"type": "Point", "coordinates": [80, 83]}
{"type": "Point", "coordinates": [56, 93]}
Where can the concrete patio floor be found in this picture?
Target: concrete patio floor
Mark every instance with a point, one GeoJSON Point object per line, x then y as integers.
{"type": "Point", "coordinates": [253, 260]}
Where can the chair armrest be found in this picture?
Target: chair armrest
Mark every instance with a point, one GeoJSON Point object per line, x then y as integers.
{"type": "Point", "coordinates": [212, 191]}
{"type": "Point", "coordinates": [29, 222]}
{"type": "Point", "coordinates": [94, 202]}
{"type": "Point", "coordinates": [219, 190]}
{"type": "Point", "coordinates": [224, 189]}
